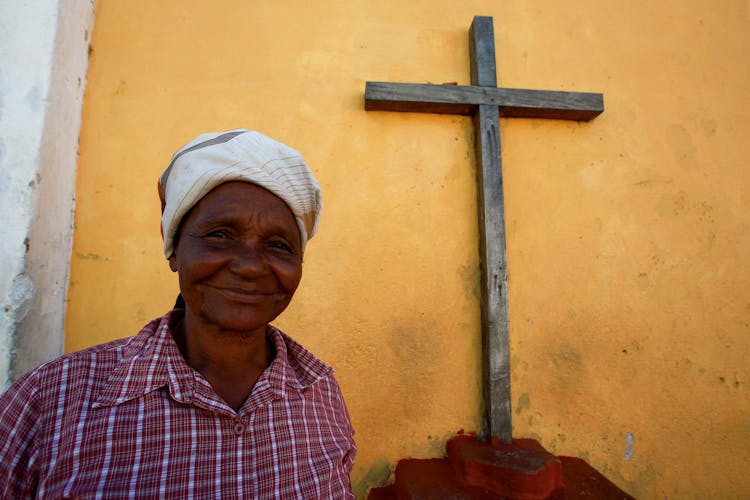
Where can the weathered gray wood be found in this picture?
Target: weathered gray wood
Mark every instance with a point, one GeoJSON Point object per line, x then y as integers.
{"type": "Point", "coordinates": [487, 103]}
{"type": "Point", "coordinates": [494, 277]}
{"type": "Point", "coordinates": [492, 254]}
{"type": "Point", "coordinates": [482, 52]}
{"type": "Point", "coordinates": [463, 99]}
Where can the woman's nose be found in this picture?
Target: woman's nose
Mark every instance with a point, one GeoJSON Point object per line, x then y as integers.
{"type": "Point", "coordinates": [248, 261]}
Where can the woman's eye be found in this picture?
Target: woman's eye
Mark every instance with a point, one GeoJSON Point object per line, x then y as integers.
{"type": "Point", "coordinates": [218, 234]}
{"type": "Point", "coordinates": [281, 246]}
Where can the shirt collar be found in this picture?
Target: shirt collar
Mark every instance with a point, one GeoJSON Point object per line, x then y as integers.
{"type": "Point", "coordinates": [293, 366]}
{"type": "Point", "coordinates": [152, 360]}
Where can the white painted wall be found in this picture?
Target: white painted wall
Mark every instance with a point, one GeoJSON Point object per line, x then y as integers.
{"type": "Point", "coordinates": [43, 62]}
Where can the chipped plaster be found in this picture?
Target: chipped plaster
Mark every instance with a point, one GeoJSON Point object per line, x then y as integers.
{"type": "Point", "coordinates": [43, 61]}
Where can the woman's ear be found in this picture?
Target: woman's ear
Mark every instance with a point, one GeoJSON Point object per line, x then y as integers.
{"type": "Point", "coordinates": [173, 262]}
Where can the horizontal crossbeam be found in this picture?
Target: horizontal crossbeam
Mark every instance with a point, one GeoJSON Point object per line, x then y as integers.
{"type": "Point", "coordinates": [461, 99]}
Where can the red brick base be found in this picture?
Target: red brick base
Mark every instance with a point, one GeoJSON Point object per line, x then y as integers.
{"type": "Point", "coordinates": [478, 470]}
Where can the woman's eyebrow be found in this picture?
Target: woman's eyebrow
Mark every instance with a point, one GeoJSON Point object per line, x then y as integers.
{"type": "Point", "coordinates": [269, 225]}
{"type": "Point", "coordinates": [213, 220]}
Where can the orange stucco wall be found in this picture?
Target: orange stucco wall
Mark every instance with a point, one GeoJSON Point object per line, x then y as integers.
{"type": "Point", "coordinates": [628, 237]}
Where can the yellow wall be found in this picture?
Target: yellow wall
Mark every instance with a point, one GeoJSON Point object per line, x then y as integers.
{"type": "Point", "coordinates": [628, 237]}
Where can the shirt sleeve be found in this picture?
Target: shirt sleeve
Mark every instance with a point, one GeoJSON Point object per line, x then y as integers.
{"type": "Point", "coordinates": [352, 451]}
{"type": "Point", "coordinates": [19, 428]}
{"type": "Point", "coordinates": [348, 432]}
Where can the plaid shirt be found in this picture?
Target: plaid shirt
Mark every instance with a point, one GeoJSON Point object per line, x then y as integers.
{"type": "Point", "coordinates": [130, 419]}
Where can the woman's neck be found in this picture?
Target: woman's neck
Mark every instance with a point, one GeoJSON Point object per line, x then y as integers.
{"type": "Point", "coordinates": [232, 361]}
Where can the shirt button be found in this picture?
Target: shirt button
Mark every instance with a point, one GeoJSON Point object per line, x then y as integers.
{"type": "Point", "coordinates": [239, 428]}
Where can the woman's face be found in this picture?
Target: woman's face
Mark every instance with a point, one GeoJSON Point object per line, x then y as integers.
{"type": "Point", "coordinates": [238, 257]}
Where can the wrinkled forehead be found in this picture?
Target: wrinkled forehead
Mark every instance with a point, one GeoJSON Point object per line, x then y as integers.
{"type": "Point", "coordinates": [244, 200]}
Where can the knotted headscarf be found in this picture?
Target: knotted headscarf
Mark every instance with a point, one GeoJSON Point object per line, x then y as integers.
{"type": "Point", "coordinates": [238, 155]}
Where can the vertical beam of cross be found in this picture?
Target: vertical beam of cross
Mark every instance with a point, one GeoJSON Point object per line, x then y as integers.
{"type": "Point", "coordinates": [486, 104]}
{"type": "Point", "coordinates": [492, 254]}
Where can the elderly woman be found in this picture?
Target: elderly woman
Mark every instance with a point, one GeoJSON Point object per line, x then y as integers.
{"type": "Point", "coordinates": [210, 400]}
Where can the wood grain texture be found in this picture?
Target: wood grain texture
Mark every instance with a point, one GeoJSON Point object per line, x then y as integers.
{"type": "Point", "coordinates": [492, 252]}
{"type": "Point", "coordinates": [482, 52]}
{"type": "Point", "coordinates": [463, 99]}
{"type": "Point", "coordinates": [494, 277]}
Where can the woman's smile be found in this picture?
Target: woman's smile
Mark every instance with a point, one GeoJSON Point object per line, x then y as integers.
{"type": "Point", "coordinates": [248, 295]}
{"type": "Point", "coordinates": [239, 258]}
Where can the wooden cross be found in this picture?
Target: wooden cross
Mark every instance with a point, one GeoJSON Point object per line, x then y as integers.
{"type": "Point", "coordinates": [487, 103]}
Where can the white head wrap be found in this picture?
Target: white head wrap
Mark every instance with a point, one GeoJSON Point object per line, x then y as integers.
{"type": "Point", "coordinates": [238, 155]}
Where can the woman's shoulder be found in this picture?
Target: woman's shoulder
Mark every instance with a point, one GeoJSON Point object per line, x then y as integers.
{"type": "Point", "coordinates": [86, 367]}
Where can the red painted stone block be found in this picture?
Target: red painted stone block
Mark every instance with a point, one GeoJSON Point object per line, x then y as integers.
{"type": "Point", "coordinates": [433, 479]}
{"type": "Point", "coordinates": [477, 470]}
{"type": "Point", "coordinates": [522, 470]}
